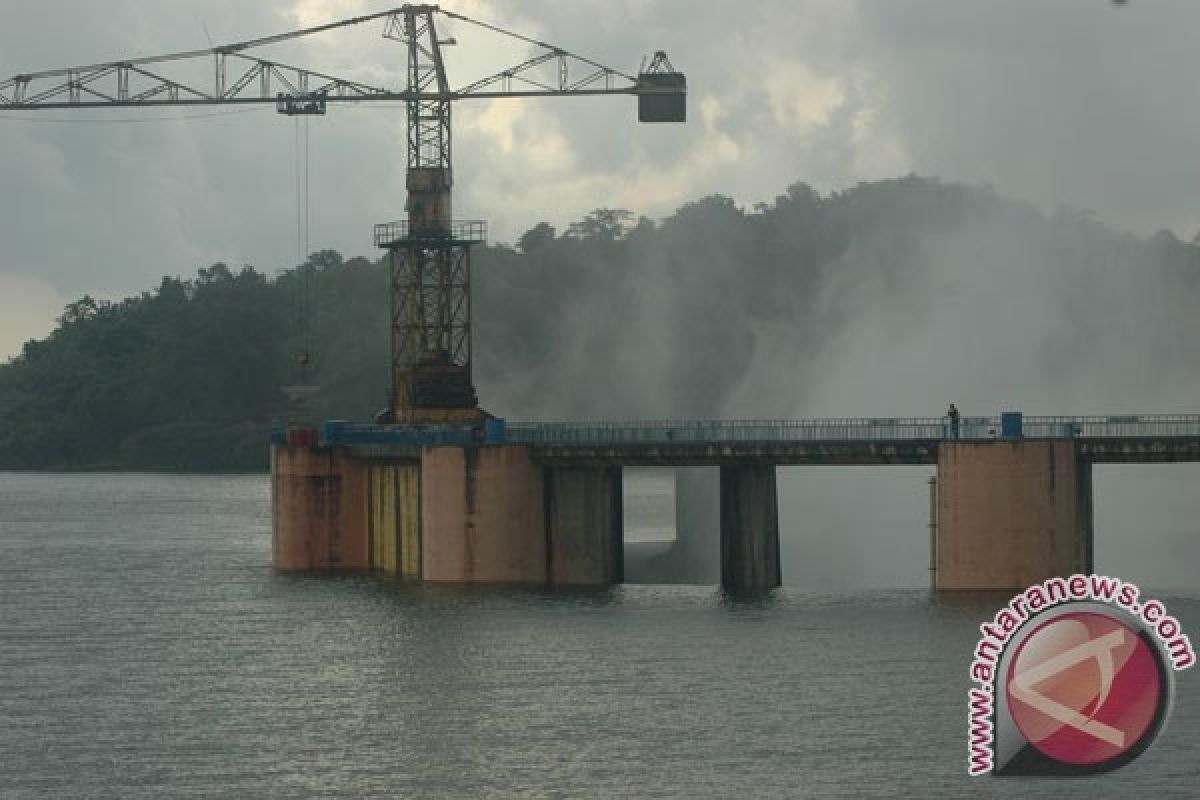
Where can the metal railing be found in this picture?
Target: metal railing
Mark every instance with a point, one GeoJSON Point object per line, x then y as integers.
{"type": "Point", "coordinates": [717, 432]}
{"type": "Point", "coordinates": [1129, 426]}
{"type": "Point", "coordinates": [849, 430]}
{"type": "Point", "coordinates": [352, 434]}
{"type": "Point", "coordinates": [460, 230]}
{"type": "Point", "coordinates": [712, 431]}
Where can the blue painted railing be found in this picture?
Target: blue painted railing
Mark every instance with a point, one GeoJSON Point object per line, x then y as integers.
{"type": "Point", "coordinates": [734, 431]}
{"type": "Point", "coordinates": [348, 433]}
{"type": "Point", "coordinates": [853, 430]}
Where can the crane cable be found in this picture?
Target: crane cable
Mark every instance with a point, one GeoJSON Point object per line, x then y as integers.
{"type": "Point", "coordinates": [304, 301]}
{"type": "Point", "coordinates": [529, 40]}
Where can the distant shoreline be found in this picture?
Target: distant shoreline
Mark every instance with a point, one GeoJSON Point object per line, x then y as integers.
{"type": "Point", "coordinates": [117, 470]}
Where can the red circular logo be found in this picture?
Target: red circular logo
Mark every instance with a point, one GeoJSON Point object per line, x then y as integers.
{"type": "Point", "coordinates": [1084, 688]}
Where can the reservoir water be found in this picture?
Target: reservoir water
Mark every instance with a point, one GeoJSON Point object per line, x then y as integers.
{"type": "Point", "coordinates": [148, 650]}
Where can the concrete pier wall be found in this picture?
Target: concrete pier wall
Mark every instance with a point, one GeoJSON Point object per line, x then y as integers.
{"type": "Point", "coordinates": [482, 516]}
{"type": "Point", "coordinates": [585, 525]}
{"type": "Point", "coordinates": [318, 513]}
{"type": "Point", "coordinates": [749, 529]}
{"type": "Point", "coordinates": [1011, 513]}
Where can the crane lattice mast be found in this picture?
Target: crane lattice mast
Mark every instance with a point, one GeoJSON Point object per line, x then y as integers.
{"type": "Point", "coordinates": [429, 251]}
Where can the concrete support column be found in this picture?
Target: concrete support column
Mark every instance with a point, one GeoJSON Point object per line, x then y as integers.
{"type": "Point", "coordinates": [482, 515]}
{"type": "Point", "coordinates": [1011, 513]}
{"type": "Point", "coordinates": [318, 509]}
{"type": "Point", "coordinates": [584, 526]}
{"type": "Point", "coordinates": [749, 529]}
{"type": "Point", "coordinates": [1084, 519]}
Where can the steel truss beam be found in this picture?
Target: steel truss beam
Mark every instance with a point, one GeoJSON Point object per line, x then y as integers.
{"type": "Point", "coordinates": [239, 78]}
{"type": "Point", "coordinates": [429, 111]}
{"type": "Point", "coordinates": [431, 310]}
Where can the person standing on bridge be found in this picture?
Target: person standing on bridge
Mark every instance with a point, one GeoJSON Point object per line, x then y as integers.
{"type": "Point", "coordinates": [952, 413]}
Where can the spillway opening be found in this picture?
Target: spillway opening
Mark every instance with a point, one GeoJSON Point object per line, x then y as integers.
{"type": "Point", "coordinates": [672, 525]}
{"type": "Point", "coordinates": [840, 528]}
{"type": "Point", "coordinates": [852, 528]}
{"type": "Point", "coordinates": [1146, 522]}
{"type": "Point", "coordinates": [648, 500]}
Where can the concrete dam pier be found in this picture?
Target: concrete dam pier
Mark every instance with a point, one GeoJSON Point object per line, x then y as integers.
{"type": "Point", "coordinates": [460, 514]}
{"type": "Point", "coordinates": [1011, 514]}
{"type": "Point", "coordinates": [541, 504]}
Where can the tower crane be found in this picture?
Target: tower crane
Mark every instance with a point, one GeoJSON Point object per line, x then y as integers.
{"type": "Point", "coordinates": [429, 251]}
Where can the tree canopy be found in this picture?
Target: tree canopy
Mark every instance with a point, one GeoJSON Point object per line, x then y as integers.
{"type": "Point", "coordinates": [620, 316]}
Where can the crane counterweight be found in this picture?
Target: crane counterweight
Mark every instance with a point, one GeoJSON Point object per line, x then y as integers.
{"type": "Point", "coordinates": [664, 95]}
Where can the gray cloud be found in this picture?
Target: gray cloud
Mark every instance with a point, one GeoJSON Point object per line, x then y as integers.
{"type": "Point", "coordinates": [1077, 103]}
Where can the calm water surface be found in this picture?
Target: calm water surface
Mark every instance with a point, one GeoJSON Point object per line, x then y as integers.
{"type": "Point", "coordinates": [147, 649]}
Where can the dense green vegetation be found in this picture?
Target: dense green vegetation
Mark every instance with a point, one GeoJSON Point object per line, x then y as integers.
{"type": "Point", "coordinates": [616, 316]}
{"type": "Point", "coordinates": [188, 377]}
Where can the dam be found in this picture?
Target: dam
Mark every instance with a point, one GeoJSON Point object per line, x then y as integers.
{"type": "Point", "coordinates": [541, 503]}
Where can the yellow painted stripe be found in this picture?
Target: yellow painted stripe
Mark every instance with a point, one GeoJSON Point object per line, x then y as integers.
{"type": "Point", "coordinates": [394, 518]}
{"type": "Point", "coordinates": [382, 534]}
{"type": "Point", "coordinates": [408, 512]}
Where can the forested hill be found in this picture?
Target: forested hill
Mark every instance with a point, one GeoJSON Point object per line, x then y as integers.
{"type": "Point", "coordinates": [715, 310]}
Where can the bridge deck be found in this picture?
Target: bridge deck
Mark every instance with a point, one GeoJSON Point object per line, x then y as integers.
{"type": "Point", "coordinates": [1104, 440]}
{"type": "Point", "coordinates": [669, 454]}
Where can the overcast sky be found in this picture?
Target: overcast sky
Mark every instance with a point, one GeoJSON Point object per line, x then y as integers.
{"type": "Point", "coordinates": [1075, 102]}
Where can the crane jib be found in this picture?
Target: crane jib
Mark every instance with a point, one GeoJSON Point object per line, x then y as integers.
{"type": "Point", "coordinates": [394, 97]}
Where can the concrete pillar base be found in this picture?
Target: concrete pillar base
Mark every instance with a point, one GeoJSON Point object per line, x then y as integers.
{"type": "Point", "coordinates": [1011, 514]}
{"type": "Point", "coordinates": [318, 512]}
{"type": "Point", "coordinates": [749, 529]}
{"type": "Point", "coordinates": [584, 526]}
{"type": "Point", "coordinates": [482, 516]}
